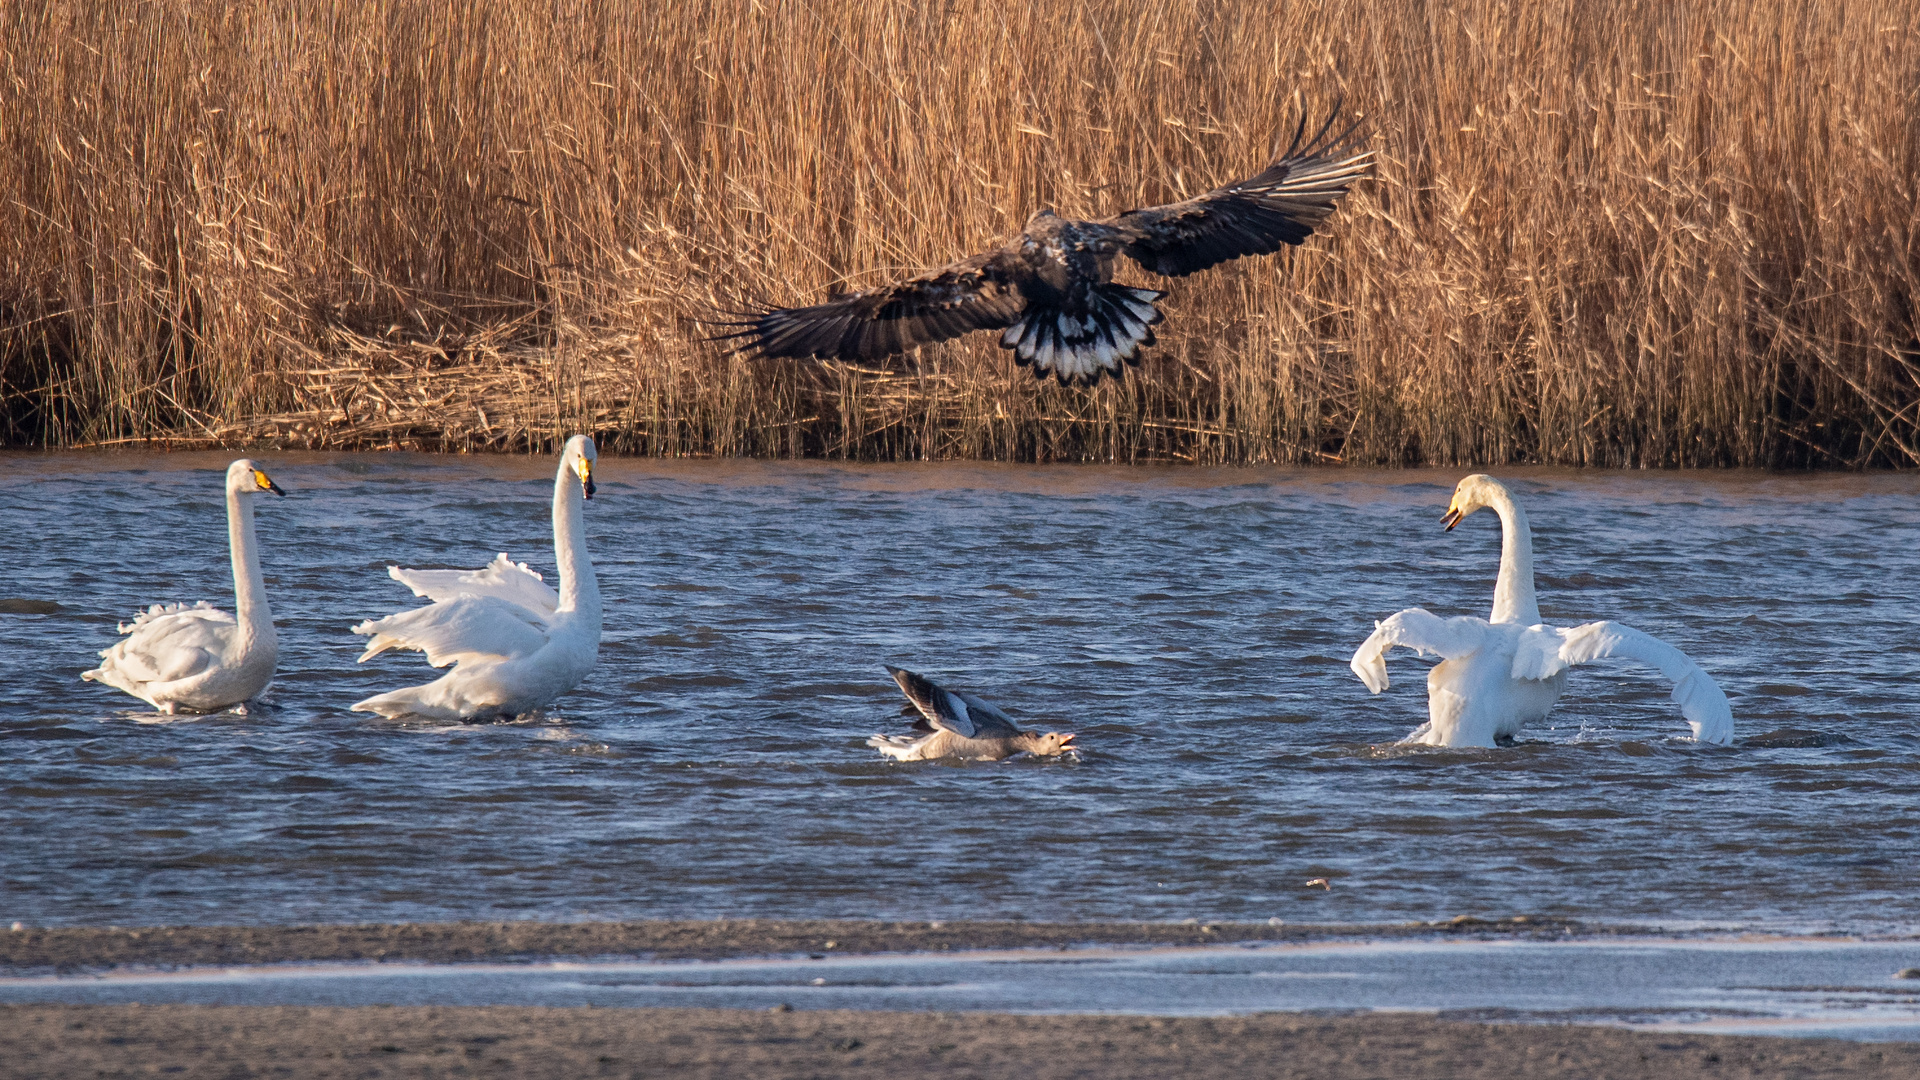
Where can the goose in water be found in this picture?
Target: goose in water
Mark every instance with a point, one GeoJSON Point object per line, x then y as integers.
{"type": "Point", "coordinates": [955, 724]}
{"type": "Point", "coordinates": [514, 643]}
{"type": "Point", "coordinates": [199, 659]}
{"type": "Point", "coordinates": [1498, 674]}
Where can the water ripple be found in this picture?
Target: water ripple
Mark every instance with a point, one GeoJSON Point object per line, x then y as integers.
{"type": "Point", "coordinates": [1193, 625]}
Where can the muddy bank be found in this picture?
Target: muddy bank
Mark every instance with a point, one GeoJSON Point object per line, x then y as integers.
{"type": "Point", "coordinates": [38, 949]}
{"type": "Point", "coordinates": [112, 1041]}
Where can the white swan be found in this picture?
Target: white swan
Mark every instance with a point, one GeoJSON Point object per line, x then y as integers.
{"type": "Point", "coordinates": [1496, 675]}
{"type": "Point", "coordinates": [201, 659]}
{"type": "Point", "coordinates": [514, 643]}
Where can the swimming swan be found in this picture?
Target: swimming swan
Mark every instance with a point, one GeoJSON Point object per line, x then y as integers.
{"type": "Point", "coordinates": [1498, 674]}
{"type": "Point", "coordinates": [959, 725]}
{"type": "Point", "coordinates": [515, 644]}
{"type": "Point", "coordinates": [201, 659]}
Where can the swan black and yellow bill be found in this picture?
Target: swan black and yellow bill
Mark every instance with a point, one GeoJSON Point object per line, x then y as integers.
{"type": "Point", "coordinates": [1451, 518]}
{"type": "Point", "coordinates": [586, 478]}
{"type": "Point", "coordinates": [265, 483]}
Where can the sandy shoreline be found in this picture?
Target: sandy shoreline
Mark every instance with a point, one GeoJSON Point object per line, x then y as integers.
{"type": "Point", "coordinates": [112, 1041]}
{"type": "Point", "coordinates": [47, 1041]}
{"type": "Point", "coordinates": [40, 950]}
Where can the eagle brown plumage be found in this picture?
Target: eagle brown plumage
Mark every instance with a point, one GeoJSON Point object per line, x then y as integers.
{"type": "Point", "coordinates": [1051, 289]}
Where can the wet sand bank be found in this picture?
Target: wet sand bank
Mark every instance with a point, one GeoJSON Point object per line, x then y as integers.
{"type": "Point", "coordinates": [61, 949]}
{"type": "Point", "coordinates": [50, 1041]}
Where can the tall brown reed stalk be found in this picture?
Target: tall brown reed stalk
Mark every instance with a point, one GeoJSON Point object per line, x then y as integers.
{"type": "Point", "coordinates": [1608, 233]}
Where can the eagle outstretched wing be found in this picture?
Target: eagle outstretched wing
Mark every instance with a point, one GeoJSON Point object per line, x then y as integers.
{"type": "Point", "coordinates": [976, 293]}
{"type": "Point", "coordinates": [1257, 216]}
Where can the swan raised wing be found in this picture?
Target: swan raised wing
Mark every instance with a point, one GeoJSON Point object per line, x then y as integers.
{"type": "Point", "coordinates": [1423, 632]}
{"type": "Point", "coordinates": [513, 582]}
{"type": "Point", "coordinates": [1545, 651]}
{"type": "Point", "coordinates": [461, 628]}
{"type": "Point", "coordinates": [515, 643]}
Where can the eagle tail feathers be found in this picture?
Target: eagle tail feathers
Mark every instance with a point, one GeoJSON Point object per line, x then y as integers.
{"type": "Point", "coordinates": [1079, 347]}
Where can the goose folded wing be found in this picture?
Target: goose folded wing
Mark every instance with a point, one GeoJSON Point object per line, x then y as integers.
{"type": "Point", "coordinates": [1256, 216]}
{"type": "Point", "coordinates": [1423, 632]}
{"type": "Point", "coordinates": [1547, 650]}
{"type": "Point", "coordinates": [977, 293]}
{"type": "Point", "coordinates": [502, 578]}
{"type": "Point", "coordinates": [463, 628]}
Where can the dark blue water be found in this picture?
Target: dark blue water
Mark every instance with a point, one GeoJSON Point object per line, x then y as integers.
{"type": "Point", "coordinates": [1193, 625]}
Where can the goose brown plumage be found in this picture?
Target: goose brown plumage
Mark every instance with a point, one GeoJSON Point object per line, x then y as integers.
{"type": "Point", "coordinates": [959, 725]}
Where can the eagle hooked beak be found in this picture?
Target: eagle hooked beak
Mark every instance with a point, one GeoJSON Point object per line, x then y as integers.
{"type": "Point", "coordinates": [263, 482]}
{"type": "Point", "coordinates": [586, 478]}
{"type": "Point", "coordinates": [1451, 518]}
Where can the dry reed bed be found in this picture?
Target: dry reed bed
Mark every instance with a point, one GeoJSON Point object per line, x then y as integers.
{"type": "Point", "coordinates": [1608, 233]}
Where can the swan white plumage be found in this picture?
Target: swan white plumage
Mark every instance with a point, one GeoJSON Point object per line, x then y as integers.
{"type": "Point", "coordinates": [200, 659]}
{"type": "Point", "coordinates": [1498, 674]}
{"type": "Point", "coordinates": [514, 643]}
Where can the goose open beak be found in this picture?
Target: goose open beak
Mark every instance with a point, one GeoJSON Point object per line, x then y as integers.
{"type": "Point", "coordinates": [1451, 518]}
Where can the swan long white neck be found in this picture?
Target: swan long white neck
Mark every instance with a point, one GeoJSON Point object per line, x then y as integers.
{"type": "Point", "coordinates": [579, 589]}
{"type": "Point", "coordinates": [249, 588]}
{"type": "Point", "coordinates": [1513, 597]}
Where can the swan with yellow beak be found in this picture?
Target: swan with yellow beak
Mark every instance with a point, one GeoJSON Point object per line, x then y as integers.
{"type": "Point", "coordinates": [514, 643]}
{"type": "Point", "coordinates": [199, 659]}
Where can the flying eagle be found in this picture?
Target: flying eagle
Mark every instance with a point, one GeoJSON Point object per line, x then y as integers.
{"type": "Point", "coordinates": [1051, 289]}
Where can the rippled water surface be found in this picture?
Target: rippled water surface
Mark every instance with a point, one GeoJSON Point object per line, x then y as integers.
{"type": "Point", "coordinates": [1192, 625]}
